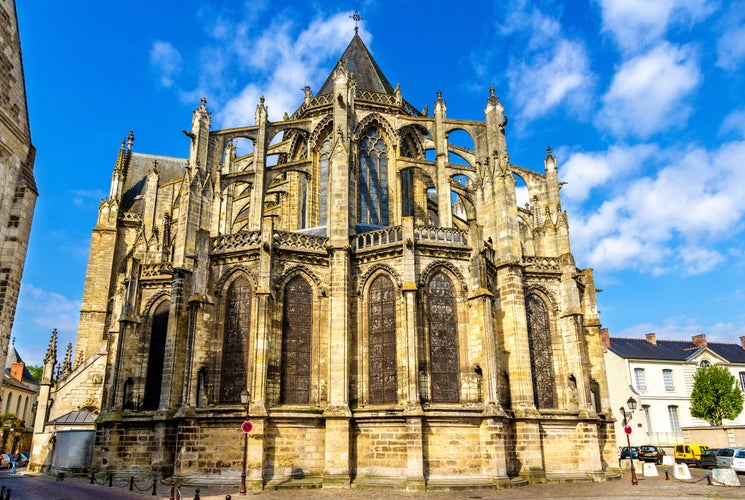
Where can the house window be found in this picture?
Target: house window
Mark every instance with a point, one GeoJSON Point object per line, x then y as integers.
{"type": "Point", "coordinates": [705, 364]}
{"type": "Point", "coordinates": [667, 376]}
{"type": "Point", "coordinates": [641, 382]}
{"type": "Point", "coordinates": [674, 422]}
{"type": "Point", "coordinates": [742, 381]}
{"type": "Point", "coordinates": [647, 418]}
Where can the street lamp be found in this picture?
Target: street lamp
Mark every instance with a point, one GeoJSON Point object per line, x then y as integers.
{"type": "Point", "coordinates": [627, 418]}
{"type": "Point", "coordinates": [245, 399]}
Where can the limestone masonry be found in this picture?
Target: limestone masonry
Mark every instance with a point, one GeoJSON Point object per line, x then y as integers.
{"type": "Point", "coordinates": [396, 318]}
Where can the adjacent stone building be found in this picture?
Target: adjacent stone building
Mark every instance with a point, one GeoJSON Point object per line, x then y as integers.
{"type": "Point", "coordinates": [395, 316]}
{"type": "Point", "coordinates": [17, 185]}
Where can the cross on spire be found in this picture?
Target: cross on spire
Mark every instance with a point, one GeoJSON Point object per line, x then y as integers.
{"type": "Point", "coordinates": [357, 18]}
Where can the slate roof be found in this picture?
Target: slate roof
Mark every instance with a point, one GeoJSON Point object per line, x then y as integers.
{"type": "Point", "coordinates": [14, 357]}
{"type": "Point", "coordinates": [76, 417]}
{"type": "Point", "coordinates": [673, 350]}
{"type": "Point", "coordinates": [357, 60]}
{"type": "Point", "coordinates": [140, 164]}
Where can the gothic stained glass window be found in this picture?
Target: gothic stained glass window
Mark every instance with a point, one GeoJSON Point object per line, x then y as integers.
{"type": "Point", "coordinates": [156, 357]}
{"type": "Point", "coordinates": [373, 179]}
{"type": "Point", "coordinates": [235, 341]}
{"type": "Point", "coordinates": [296, 334]}
{"type": "Point", "coordinates": [323, 206]}
{"type": "Point", "coordinates": [382, 341]}
{"type": "Point", "coordinates": [541, 353]}
{"type": "Point", "coordinates": [443, 340]}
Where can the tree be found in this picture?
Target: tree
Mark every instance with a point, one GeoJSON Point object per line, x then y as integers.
{"type": "Point", "coordinates": [715, 395]}
{"type": "Point", "coordinates": [36, 372]}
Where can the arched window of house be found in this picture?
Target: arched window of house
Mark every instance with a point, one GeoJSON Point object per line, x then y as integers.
{"type": "Point", "coordinates": [323, 180]}
{"type": "Point", "coordinates": [235, 341]}
{"type": "Point", "coordinates": [25, 412]}
{"type": "Point", "coordinates": [18, 406]}
{"type": "Point", "coordinates": [156, 356]}
{"type": "Point", "coordinates": [705, 364]}
{"type": "Point", "coordinates": [296, 335]}
{"type": "Point", "coordinates": [381, 339]}
{"type": "Point", "coordinates": [541, 353]}
{"type": "Point", "coordinates": [443, 340]}
{"type": "Point", "coordinates": [373, 179]}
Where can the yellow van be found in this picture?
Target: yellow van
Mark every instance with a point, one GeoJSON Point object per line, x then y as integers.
{"type": "Point", "coordinates": [689, 453]}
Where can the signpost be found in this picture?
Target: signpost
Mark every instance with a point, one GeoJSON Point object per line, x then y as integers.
{"type": "Point", "coordinates": [247, 426]}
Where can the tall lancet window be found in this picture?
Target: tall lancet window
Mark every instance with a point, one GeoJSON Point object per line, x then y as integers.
{"type": "Point", "coordinates": [443, 340]}
{"type": "Point", "coordinates": [373, 179]}
{"type": "Point", "coordinates": [323, 187]}
{"type": "Point", "coordinates": [541, 353]}
{"type": "Point", "coordinates": [235, 341]}
{"type": "Point", "coordinates": [156, 357]}
{"type": "Point", "coordinates": [381, 317]}
{"type": "Point", "coordinates": [296, 335]}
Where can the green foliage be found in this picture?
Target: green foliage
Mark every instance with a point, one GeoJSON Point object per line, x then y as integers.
{"type": "Point", "coordinates": [36, 372]}
{"type": "Point", "coordinates": [715, 395]}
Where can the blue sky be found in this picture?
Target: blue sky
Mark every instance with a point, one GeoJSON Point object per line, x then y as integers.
{"type": "Point", "coordinates": [642, 102]}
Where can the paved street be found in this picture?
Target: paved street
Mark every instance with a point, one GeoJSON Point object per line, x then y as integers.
{"type": "Point", "coordinates": [28, 486]}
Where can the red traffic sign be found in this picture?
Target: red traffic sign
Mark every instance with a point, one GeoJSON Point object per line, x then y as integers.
{"type": "Point", "coordinates": [626, 429]}
{"type": "Point", "coordinates": [247, 426]}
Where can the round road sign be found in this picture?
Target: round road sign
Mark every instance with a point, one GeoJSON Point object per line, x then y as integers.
{"type": "Point", "coordinates": [247, 426]}
{"type": "Point", "coordinates": [626, 429]}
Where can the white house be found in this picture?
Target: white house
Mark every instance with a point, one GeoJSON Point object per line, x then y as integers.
{"type": "Point", "coordinates": [658, 374]}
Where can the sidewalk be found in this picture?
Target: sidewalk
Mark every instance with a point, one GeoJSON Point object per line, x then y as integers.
{"type": "Point", "coordinates": [32, 486]}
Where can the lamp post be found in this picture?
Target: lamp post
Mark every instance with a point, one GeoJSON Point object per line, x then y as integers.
{"type": "Point", "coordinates": [245, 399]}
{"type": "Point", "coordinates": [627, 418]}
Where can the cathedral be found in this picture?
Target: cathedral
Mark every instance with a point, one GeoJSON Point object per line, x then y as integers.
{"type": "Point", "coordinates": [367, 293]}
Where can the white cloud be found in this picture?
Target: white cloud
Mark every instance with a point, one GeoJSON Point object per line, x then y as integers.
{"type": "Point", "coordinates": [731, 48]}
{"type": "Point", "coordinates": [584, 171]}
{"type": "Point", "coordinates": [49, 310]}
{"type": "Point", "coordinates": [553, 70]}
{"type": "Point", "coordinates": [734, 123]}
{"type": "Point", "coordinates": [673, 219]}
{"type": "Point", "coordinates": [637, 24]}
{"type": "Point", "coordinates": [682, 328]}
{"type": "Point", "coordinates": [166, 60]}
{"type": "Point", "coordinates": [81, 196]}
{"type": "Point", "coordinates": [649, 92]}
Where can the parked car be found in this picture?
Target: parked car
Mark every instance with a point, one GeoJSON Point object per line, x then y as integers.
{"type": "Point", "coordinates": [709, 458]}
{"type": "Point", "coordinates": [4, 461]}
{"type": "Point", "coordinates": [625, 453]}
{"type": "Point", "coordinates": [724, 456]}
{"type": "Point", "coordinates": [689, 453]}
{"type": "Point", "coordinates": [24, 458]}
{"type": "Point", "coordinates": [649, 453]}
{"type": "Point", "coordinates": [738, 461]}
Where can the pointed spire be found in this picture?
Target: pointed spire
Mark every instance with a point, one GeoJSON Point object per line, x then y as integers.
{"type": "Point", "coordinates": [52, 349]}
{"type": "Point", "coordinates": [67, 363]}
{"type": "Point", "coordinates": [357, 60]}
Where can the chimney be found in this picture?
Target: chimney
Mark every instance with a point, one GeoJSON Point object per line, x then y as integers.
{"type": "Point", "coordinates": [16, 371]}
{"type": "Point", "coordinates": [605, 338]}
{"type": "Point", "coordinates": [652, 338]}
{"type": "Point", "coordinates": [742, 342]}
{"type": "Point", "coordinates": [699, 340]}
